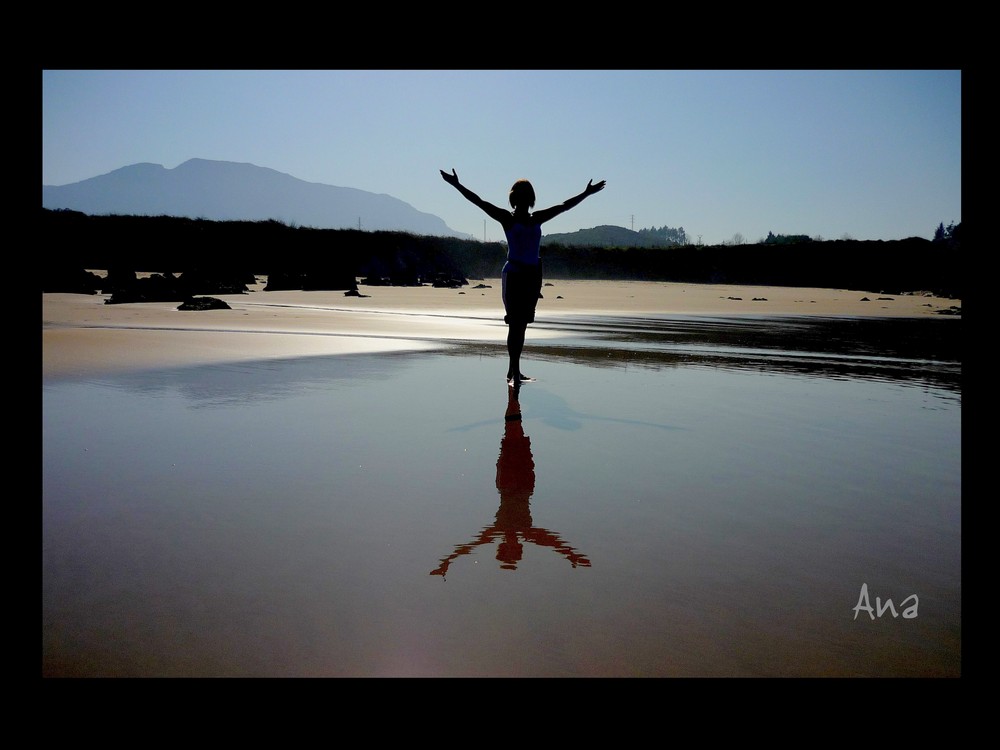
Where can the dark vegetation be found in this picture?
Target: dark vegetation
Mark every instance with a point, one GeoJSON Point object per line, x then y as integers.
{"type": "Point", "coordinates": [611, 236]}
{"type": "Point", "coordinates": [198, 256]}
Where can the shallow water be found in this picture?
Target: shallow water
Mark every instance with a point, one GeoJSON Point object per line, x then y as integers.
{"type": "Point", "coordinates": [681, 497]}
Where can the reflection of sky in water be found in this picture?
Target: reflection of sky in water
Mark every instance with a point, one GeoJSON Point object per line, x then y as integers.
{"type": "Point", "coordinates": [251, 382]}
{"type": "Point", "coordinates": [281, 518]}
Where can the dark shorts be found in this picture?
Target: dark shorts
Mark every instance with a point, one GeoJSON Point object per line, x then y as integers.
{"type": "Point", "coordinates": [521, 285]}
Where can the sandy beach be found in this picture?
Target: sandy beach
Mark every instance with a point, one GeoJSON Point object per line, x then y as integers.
{"type": "Point", "coordinates": [81, 334]}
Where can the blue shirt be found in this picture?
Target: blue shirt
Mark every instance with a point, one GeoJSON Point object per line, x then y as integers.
{"type": "Point", "coordinates": [524, 243]}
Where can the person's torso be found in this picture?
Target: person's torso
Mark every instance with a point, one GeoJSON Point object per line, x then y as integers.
{"type": "Point", "coordinates": [524, 242]}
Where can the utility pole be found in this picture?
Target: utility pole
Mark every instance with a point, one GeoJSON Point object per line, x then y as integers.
{"type": "Point", "coordinates": [633, 222]}
{"type": "Point", "coordinates": [484, 231]}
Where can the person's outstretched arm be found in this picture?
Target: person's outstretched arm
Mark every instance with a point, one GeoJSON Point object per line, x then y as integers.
{"type": "Point", "coordinates": [494, 212]}
{"type": "Point", "coordinates": [485, 537]}
{"type": "Point", "coordinates": [548, 213]}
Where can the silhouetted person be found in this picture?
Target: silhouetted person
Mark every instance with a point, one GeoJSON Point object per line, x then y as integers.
{"type": "Point", "coordinates": [522, 273]}
{"type": "Point", "coordinates": [515, 483]}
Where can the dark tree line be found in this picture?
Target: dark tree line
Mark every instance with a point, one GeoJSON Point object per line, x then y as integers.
{"type": "Point", "coordinates": [666, 235]}
{"type": "Point", "coordinates": [951, 234]}
{"type": "Point", "coordinates": [335, 258]}
{"type": "Point", "coordinates": [785, 239]}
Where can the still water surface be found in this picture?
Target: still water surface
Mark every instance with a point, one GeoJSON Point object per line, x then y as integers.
{"type": "Point", "coordinates": [681, 497]}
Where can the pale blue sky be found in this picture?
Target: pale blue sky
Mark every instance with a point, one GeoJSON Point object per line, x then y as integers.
{"type": "Point", "coordinates": [868, 154]}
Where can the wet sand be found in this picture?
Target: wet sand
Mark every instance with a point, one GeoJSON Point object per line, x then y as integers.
{"type": "Point", "coordinates": [81, 334]}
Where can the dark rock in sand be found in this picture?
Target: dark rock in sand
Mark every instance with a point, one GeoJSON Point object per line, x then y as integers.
{"type": "Point", "coordinates": [448, 281]}
{"type": "Point", "coordinates": [216, 281]}
{"type": "Point", "coordinates": [124, 285]}
{"type": "Point", "coordinates": [155, 288]}
{"type": "Point", "coordinates": [204, 303]}
{"type": "Point", "coordinates": [118, 278]}
{"type": "Point", "coordinates": [403, 278]}
{"type": "Point", "coordinates": [71, 280]}
{"type": "Point", "coordinates": [313, 280]}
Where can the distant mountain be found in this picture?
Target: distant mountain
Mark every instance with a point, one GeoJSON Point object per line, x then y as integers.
{"type": "Point", "coordinates": [605, 235]}
{"type": "Point", "coordinates": [232, 191]}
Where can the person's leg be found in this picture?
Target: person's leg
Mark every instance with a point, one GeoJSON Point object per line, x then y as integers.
{"type": "Point", "coordinates": [530, 289]}
{"type": "Point", "coordinates": [515, 345]}
{"type": "Point", "coordinates": [503, 292]}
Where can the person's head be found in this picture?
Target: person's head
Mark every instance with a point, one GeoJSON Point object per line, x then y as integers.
{"type": "Point", "coordinates": [522, 194]}
{"type": "Point", "coordinates": [509, 552]}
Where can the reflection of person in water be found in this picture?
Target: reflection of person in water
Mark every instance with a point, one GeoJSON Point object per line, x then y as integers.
{"type": "Point", "coordinates": [521, 277]}
{"type": "Point", "coordinates": [516, 483]}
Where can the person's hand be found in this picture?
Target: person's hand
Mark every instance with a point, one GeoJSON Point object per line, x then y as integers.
{"type": "Point", "coordinates": [451, 179]}
{"type": "Point", "coordinates": [591, 188]}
